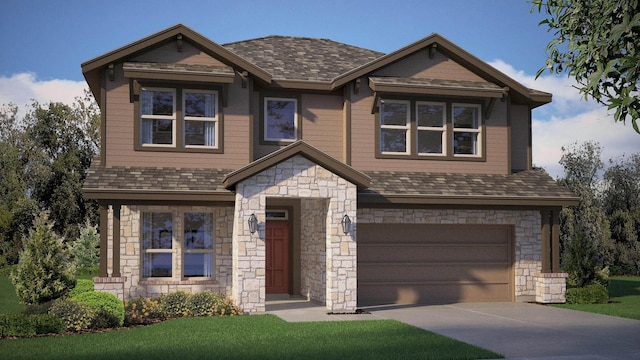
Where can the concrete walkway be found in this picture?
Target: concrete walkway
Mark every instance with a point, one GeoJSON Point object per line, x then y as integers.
{"type": "Point", "coordinates": [516, 330]}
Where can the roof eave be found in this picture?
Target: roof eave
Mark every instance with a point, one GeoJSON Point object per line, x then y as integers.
{"type": "Point", "coordinates": [412, 199]}
{"type": "Point", "coordinates": [161, 195]}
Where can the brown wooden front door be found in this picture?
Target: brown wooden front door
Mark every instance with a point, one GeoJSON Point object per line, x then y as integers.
{"type": "Point", "coordinates": [277, 254]}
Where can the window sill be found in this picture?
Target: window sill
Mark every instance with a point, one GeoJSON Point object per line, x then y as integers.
{"type": "Point", "coordinates": [171, 281]}
{"type": "Point", "coordinates": [178, 150]}
{"type": "Point", "coordinates": [431, 157]}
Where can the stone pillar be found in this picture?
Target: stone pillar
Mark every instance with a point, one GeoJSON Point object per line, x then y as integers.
{"type": "Point", "coordinates": [551, 288]}
{"type": "Point", "coordinates": [112, 285]}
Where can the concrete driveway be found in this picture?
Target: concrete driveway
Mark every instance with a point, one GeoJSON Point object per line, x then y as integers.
{"type": "Point", "coordinates": [525, 331]}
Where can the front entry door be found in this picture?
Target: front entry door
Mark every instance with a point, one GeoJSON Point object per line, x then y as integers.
{"type": "Point", "coordinates": [277, 257]}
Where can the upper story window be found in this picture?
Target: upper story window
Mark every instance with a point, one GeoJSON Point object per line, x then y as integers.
{"type": "Point", "coordinates": [466, 129]}
{"type": "Point", "coordinates": [178, 119]}
{"type": "Point", "coordinates": [394, 127]}
{"type": "Point", "coordinates": [420, 129]}
{"type": "Point", "coordinates": [280, 119]}
{"type": "Point", "coordinates": [200, 118]}
{"type": "Point", "coordinates": [158, 117]}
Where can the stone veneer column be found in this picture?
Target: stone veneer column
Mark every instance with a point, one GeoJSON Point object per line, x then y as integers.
{"type": "Point", "coordinates": [551, 288]}
{"type": "Point", "coordinates": [296, 177]}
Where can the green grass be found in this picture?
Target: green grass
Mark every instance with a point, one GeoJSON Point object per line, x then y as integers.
{"type": "Point", "coordinates": [624, 299]}
{"type": "Point", "coordinates": [249, 337]}
{"type": "Point", "coordinates": [8, 299]}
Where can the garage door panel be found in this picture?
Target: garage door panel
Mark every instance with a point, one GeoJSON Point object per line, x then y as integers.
{"type": "Point", "coordinates": [409, 264]}
{"type": "Point", "coordinates": [431, 272]}
{"type": "Point", "coordinates": [433, 253]}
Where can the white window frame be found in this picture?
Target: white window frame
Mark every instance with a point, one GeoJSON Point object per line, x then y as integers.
{"type": "Point", "coordinates": [158, 250]}
{"type": "Point", "coordinates": [442, 129]}
{"type": "Point", "coordinates": [477, 130]}
{"type": "Point", "coordinates": [158, 117]}
{"type": "Point", "coordinates": [295, 118]}
{"type": "Point", "coordinates": [213, 119]}
{"type": "Point", "coordinates": [406, 127]}
{"type": "Point", "coordinates": [199, 251]}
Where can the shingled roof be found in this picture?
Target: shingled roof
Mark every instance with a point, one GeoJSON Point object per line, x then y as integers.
{"type": "Point", "coordinates": [301, 58]}
{"type": "Point", "coordinates": [532, 187]}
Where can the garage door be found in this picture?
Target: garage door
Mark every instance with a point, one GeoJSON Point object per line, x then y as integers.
{"type": "Point", "coordinates": [424, 264]}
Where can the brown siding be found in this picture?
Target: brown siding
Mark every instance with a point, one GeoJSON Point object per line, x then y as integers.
{"type": "Point", "coordinates": [322, 123]}
{"type": "Point", "coordinates": [520, 137]}
{"type": "Point", "coordinates": [420, 66]}
{"type": "Point", "coordinates": [363, 147]}
{"type": "Point", "coordinates": [120, 119]}
{"type": "Point", "coordinates": [168, 54]}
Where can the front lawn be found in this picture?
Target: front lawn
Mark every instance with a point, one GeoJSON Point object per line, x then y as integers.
{"type": "Point", "coordinates": [624, 299]}
{"type": "Point", "coordinates": [9, 302]}
{"type": "Point", "coordinates": [249, 337]}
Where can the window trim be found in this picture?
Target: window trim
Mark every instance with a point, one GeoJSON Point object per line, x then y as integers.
{"type": "Point", "coordinates": [173, 117]}
{"type": "Point", "coordinates": [213, 119]}
{"type": "Point", "coordinates": [413, 154]}
{"type": "Point", "coordinates": [178, 249]}
{"type": "Point", "coordinates": [442, 129]}
{"type": "Point", "coordinates": [297, 120]}
{"type": "Point", "coordinates": [478, 130]}
{"type": "Point", "coordinates": [406, 127]}
{"type": "Point", "coordinates": [178, 145]}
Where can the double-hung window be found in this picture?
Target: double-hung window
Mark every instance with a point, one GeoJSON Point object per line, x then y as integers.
{"type": "Point", "coordinates": [466, 129]}
{"type": "Point", "coordinates": [280, 119]}
{"type": "Point", "coordinates": [157, 244]}
{"type": "Point", "coordinates": [181, 119]}
{"type": "Point", "coordinates": [198, 245]}
{"type": "Point", "coordinates": [200, 118]}
{"type": "Point", "coordinates": [394, 127]}
{"type": "Point", "coordinates": [431, 122]}
{"type": "Point", "coordinates": [158, 117]}
{"type": "Point", "coordinates": [164, 243]}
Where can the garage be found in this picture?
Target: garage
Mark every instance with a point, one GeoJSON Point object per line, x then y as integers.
{"type": "Point", "coordinates": [426, 264]}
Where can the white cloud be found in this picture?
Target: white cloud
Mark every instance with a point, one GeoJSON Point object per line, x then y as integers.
{"type": "Point", "coordinates": [570, 119]}
{"type": "Point", "coordinates": [21, 89]}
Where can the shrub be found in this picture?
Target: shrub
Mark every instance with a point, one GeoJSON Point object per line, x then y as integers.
{"type": "Point", "coordinates": [204, 303]}
{"type": "Point", "coordinates": [228, 307]}
{"type": "Point", "coordinates": [45, 271]}
{"type": "Point", "coordinates": [87, 271]}
{"type": "Point", "coordinates": [109, 310]}
{"type": "Point", "coordinates": [75, 315]}
{"type": "Point", "coordinates": [82, 286]}
{"type": "Point", "coordinates": [174, 304]}
{"type": "Point", "coordinates": [590, 294]}
{"type": "Point", "coordinates": [36, 309]}
{"type": "Point", "coordinates": [22, 325]}
{"type": "Point", "coordinates": [141, 311]}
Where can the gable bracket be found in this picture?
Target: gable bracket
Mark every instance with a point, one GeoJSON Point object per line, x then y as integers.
{"type": "Point", "coordinates": [179, 42]}
{"type": "Point", "coordinates": [376, 103]}
{"type": "Point", "coordinates": [505, 92]}
{"type": "Point", "coordinates": [356, 86]}
{"type": "Point", "coordinates": [244, 75]}
{"type": "Point", "coordinates": [111, 72]}
{"type": "Point", "coordinates": [432, 50]}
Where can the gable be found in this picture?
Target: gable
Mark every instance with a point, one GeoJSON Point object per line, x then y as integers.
{"type": "Point", "coordinates": [168, 53]}
{"type": "Point", "coordinates": [423, 65]}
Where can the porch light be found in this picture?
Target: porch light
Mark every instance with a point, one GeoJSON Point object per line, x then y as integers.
{"type": "Point", "coordinates": [253, 223]}
{"type": "Point", "coordinates": [346, 224]}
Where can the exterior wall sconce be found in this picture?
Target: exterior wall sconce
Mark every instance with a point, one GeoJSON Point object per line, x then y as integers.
{"type": "Point", "coordinates": [346, 224]}
{"type": "Point", "coordinates": [253, 223]}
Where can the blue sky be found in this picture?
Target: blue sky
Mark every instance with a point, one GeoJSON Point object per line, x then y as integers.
{"type": "Point", "coordinates": [46, 41]}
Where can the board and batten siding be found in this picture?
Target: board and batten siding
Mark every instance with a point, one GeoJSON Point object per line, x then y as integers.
{"type": "Point", "coordinates": [520, 137]}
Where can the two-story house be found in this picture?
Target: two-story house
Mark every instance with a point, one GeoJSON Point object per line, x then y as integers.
{"type": "Point", "coordinates": [296, 166]}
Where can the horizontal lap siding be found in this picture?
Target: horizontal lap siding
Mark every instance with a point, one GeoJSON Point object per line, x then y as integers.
{"type": "Point", "coordinates": [402, 263]}
{"type": "Point", "coordinates": [419, 65]}
{"type": "Point", "coordinates": [323, 123]}
{"type": "Point", "coordinates": [120, 119]}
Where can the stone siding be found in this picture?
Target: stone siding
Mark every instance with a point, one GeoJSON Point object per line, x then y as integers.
{"type": "Point", "coordinates": [296, 177]}
{"type": "Point", "coordinates": [131, 253]}
{"type": "Point", "coordinates": [551, 288]}
{"type": "Point", "coordinates": [527, 234]}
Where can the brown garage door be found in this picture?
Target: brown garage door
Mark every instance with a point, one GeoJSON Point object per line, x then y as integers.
{"type": "Point", "coordinates": [423, 264]}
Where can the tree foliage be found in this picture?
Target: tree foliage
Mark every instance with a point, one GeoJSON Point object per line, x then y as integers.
{"type": "Point", "coordinates": [85, 249]}
{"type": "Point", "coordinates": [45, 271]}
{"type": "Point", "coordinates": [603, 230]}
{"type": "Point", "coordinates": [596, 42]}
{"type": "Point", "coordinates": [45, 153]}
